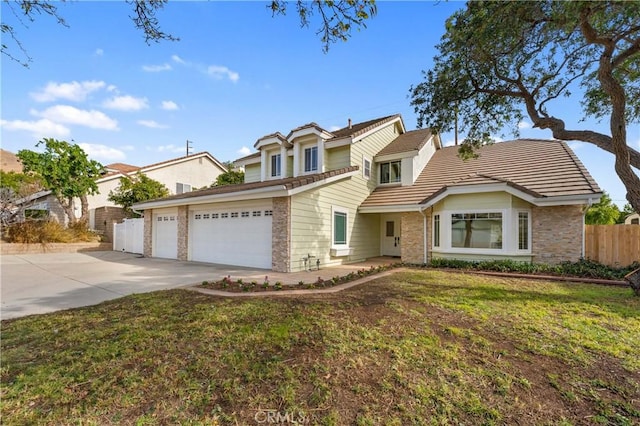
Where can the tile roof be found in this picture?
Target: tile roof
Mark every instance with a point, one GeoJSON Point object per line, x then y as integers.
{"type": "Point", "coordinates": [287, 183]}
{"type": "Point", "coordinates": [360, 128]}
{"type": "Point", "coordinates": [122, 167]}
{"type": "Point", "coordinates": [406, 142]}
{"type": "Point", "coordinates": [538, 167]}
{"type": "Point", "coordinates": [311, 125]}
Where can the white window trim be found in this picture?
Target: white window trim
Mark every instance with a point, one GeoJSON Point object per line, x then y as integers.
{"type": "Point", "coordinates": [516, 218]}
{"type": "Point", "coordinates": [509, 233]}
{"type": "Point", "coordinates": [303, 150]}
{"type": "Point", "coordinates": [270, 175]}
{"type": "Point", "coordinates": [339, 249]}
{"type": "Point", "coordinates": [365, 159]}
{"type": "Point", "coordinates": [394, 183]}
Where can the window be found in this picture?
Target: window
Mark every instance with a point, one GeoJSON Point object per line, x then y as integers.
{"type": "Point", "coordinates": [476, 230]}
{"type": "Point", "coordinates": [224, 215]}
{"type": "Point", "coordinates": [215, 215]}
{"type": "Point", "coordinates": [198, 216]}
{"type": "Point", "coordinates": [436, 230]}
{"type": "Point", "coordinates": [390, 229]}
{"type": "Point", "coordinates": [275, 165]}
{"type": "Point", "coordinates": [268, 212]}
{"type": "Point", "coordinates": [366, 168]}
{"type": "Point", "coordinates": [205, 216]}
{"type": "Point", "coordinates": [181, 188]}
{"type": "Point", "coordinates": [256, 213]}
{"type": "Point", "coordinates": [311, 159]}
{"type": "Point", "coordinates": [339, 228]}
{"type": "Point", "coordinates": [523, 231]}
{"type": "Point", "coordinates": [635, 221]}
{"type": "Point", "coordinates": [234, 214]}
{"type": "Point", "coordinates": [390, 172]}
{"type": "Point", "coordinates": [244, 214]}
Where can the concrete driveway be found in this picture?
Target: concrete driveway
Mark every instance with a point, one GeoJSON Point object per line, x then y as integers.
{"type": "Point", "coordinates": [40, 283]}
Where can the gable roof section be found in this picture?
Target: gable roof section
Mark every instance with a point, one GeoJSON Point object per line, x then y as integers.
{"type": "Point", "coordinates": [413, 140]}
{"type": "Point", "coordinates": [120, 168]}
{"type": "Point", "coordinates": [542, 170]}
{"type": "Point", "coordinates": [248, 190]}
{"type": "Point", "coordinates": [361, 128]}
{"type": "Point", "coordinates": [161, 164]}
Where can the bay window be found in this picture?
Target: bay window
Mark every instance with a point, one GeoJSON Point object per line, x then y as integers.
{"type": "Point", "coordinates": [476, 230]}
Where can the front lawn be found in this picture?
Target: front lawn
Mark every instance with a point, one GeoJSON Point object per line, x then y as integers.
{"type": "Point", "coordinates": [411, 348]}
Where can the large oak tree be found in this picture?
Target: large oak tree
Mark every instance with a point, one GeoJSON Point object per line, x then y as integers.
{"type": "Point", "coordinates": [501, 61]}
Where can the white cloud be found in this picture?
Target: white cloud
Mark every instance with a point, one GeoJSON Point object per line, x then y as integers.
{"type": "Point", "coordinates": [126, 103]}
{"type": "Point", "coordinates": [178, 59]}
{"type": "Point", "coordinates": [71, 115]}
{"type": "Point", "coordinates": [152, 124]}
{"type": "Point", "coordinates": [334, 128]}
{"type": "Point", "coordinates": [524, 125]}
{"type": "Point", "coordinates": [156, 68]}
{"type": "Point", "coordinates": [575, 145]}
{"type": "Point", "coordinates": [244, 151]}
{"type": "Point", "coordinates": [169, 148]}
{"type": "Point", "coordinates": [40, 129]}
{"type": "Point", "coordinates": [99, 52]}
{"type": "Point", "coordinates": [219, 72]}
{"type": "Point", "coordinates": [112, 88]}
{"type": "Point", "coordinates": [128, 148]}
{"type": "Point", "coordinates": [102, 152]}
{"type": "Point", "coordinates": [496, 139]}
{"type": "Point", "coordinates": [74, 91]}
{"type": "Point", "coordinates": [449, 142]}
{"type": "Point", "coordinates": [169, 106]}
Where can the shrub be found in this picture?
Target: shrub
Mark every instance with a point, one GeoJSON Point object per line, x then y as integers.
{"type": "Point", "coordinates": [43, 232]}
{"type": "Point", "coordinates": [583, 268]}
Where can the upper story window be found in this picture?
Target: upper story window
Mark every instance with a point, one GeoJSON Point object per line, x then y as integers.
{"type": "Point", "coordinates": [276, 165]}
{"type": "Point", "coordinates": [366, 168]}
{"type": "Point", "coordinates": [311, 159]}
{"type": "Point", "coordinates": [390, 172]}
{"type": "Point", "coordinates": [181, 188]}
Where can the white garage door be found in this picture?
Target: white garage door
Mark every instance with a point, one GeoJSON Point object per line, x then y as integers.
{"type": "Point", "coordinates": [165, 235]}
{"type": "Point", "coordinates": [232, 235]}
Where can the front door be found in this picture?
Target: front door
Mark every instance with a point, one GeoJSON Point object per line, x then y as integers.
{"type": "Point", "coordinates": [390, 235]}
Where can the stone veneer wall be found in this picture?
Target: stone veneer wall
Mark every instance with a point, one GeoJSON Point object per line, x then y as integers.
{"type": "Point", "coordinates": [105, 217]}
{"type": "Point", "coordinates": [281, 235]}
{"type": "Point", "coordinates": [557, 233]}
{"type": "Point", "coordinates": [183, 232]}
{"type": "Point", "coordinates": [147, 249]}
{"type": "Point", "coordinates": [412, 234]}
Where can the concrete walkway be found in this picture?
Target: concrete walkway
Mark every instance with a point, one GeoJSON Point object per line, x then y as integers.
{"type": "Point", "coordinates": [40, 283]}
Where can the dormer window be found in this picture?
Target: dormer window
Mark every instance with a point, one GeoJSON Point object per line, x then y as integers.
{"type": "Point", "coordinates": [276, 164]}
{"type": "Point", "coordinates": [390, 172]}
{"type": "Point", "coordinates": [311, 159]}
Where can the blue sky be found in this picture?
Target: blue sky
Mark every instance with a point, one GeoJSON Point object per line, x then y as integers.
{"type": "Point", "coordinates": [236, 74]}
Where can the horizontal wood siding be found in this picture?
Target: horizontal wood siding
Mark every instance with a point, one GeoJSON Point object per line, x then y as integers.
{"type": "Point", "coordinates": [311, 214]}
{"type": "Point", "coordinates": [613, 245]}
{"type": "Point", "coordinates": [252, 173]}
{"type": "Point", "coordinates": [337, 158]}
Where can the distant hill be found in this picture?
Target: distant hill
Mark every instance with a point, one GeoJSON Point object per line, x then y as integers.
{"type": "Point", "coordinates": [9, 162]}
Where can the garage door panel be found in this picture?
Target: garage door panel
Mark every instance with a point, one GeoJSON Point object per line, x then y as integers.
{"type": "Point", "coordinates": [165, 239]}
{"type": "Point", "coordinates": [240, 236]}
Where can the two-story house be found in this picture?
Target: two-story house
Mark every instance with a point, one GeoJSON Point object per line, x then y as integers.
{"type": "Point", "coordinates": [374, 188]}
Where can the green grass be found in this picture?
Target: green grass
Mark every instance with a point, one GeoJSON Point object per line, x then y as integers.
{"type": "Point", "coordinates": [411, 348]}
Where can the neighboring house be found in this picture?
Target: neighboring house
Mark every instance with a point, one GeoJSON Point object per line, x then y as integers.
{"type": "Point", "coordinates": [373, 189]}
{"type": "Point", "coordinates": [179, 175]}
{"type": "Point", "coordinates": [632, 219]}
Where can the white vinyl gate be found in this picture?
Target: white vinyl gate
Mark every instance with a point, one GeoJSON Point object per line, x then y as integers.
{"type": "Point", "coordinates": [129, 236]}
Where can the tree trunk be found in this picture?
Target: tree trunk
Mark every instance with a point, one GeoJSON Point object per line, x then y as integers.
{"type": "Point", "coordinates": [633, 278]}
{"type": "Point", "coordinates": [85, 209]}
{"type": "Point", "coordinates": [67, 206]}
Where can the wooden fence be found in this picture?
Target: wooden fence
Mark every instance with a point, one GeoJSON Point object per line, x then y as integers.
{"type": "Point", "coordinates": [613, 245]}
